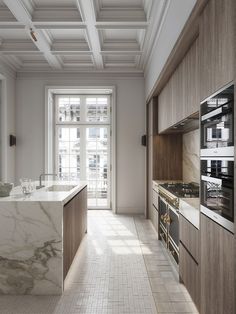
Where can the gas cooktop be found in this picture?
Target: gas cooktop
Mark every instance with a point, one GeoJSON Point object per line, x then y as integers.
{"type": "Point", "coordinates": [182, 190]}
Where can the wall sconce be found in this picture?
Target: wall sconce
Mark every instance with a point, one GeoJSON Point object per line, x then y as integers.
{"type": "Point", "coordinates": [144, 140]}
{"type": "Point", "coordinates": [12, 140]}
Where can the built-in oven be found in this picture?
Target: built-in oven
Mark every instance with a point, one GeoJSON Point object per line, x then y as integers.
{"type": "Point", "coordinates": [217, 124]}
{"type": "Point", "coordinates": [169, 223]}
{"type": "Point", "coordinates": [217, 190]}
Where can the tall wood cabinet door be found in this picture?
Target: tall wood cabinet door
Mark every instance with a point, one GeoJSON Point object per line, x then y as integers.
{"type": "Point", "coordinates": [217, 269]}
{"type": "Point", "coordinates": [165, 107]}
{"type": "Point", "coordinates": [216, 46]}
{"type": "Point", "coordinates": [178, 113]}
{"type": "Point", "coordinates": [192, 80]}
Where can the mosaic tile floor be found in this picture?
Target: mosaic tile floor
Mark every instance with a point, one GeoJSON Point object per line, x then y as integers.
{"type": "Point", "coordinates": [121, 267]}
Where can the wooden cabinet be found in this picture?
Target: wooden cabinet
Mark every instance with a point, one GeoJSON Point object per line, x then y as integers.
{"type": "Point", "coordinates": [217, 268]}
{"type": "Point", "coordinates": [189, 236]}
{"type": "Point", "coordinates": [165, 107]}
{"type": "Point", "coordinates": [151, 131]}
{"type": "Point", "coordinates": [74, 227]}
{"type": "Point", "coordinates": [217, 46]}
{"type": "Point", "coordinates": [189, 274]}
{"type": "Point", "coordinates": [178, 108]}
{"type": "Point", "coordinates": [189, 258]}
{"type": "Point", "coordinates": [180, 96]}
{"type": "Point", "coordinates": [191, 81]}
{"type": "Point", "coordinates": [154, 215]}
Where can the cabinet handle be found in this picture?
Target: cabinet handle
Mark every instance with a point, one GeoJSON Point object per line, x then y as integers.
{"type": "Point", "coordinates": [168, 220]}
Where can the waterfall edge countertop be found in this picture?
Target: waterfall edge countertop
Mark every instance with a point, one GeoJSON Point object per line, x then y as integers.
{"type": "Point", "coordinates": [31, 239]}
{"type": "Point", "coordinates": [45, 195]}
{"type": "Point", "coordinates": [190, 209]}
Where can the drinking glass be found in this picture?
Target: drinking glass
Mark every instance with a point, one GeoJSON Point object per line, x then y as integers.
{"type": "Point", "coordinates": [26, 186]}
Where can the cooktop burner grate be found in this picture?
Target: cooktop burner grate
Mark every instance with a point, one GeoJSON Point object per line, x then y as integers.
{"type": "Point", "coordinates": [183, 190]}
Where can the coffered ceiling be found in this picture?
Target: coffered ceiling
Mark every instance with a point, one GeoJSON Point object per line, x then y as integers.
{"type": "Point", "coordinates": [79, 35]}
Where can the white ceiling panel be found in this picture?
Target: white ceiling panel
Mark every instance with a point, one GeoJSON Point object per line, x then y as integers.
{"type": "Point", "coordinates": [121, 61]}
{"type": "Point", "coordinates": [5, 13]}
{"type": "Point", "coordinates": [77, 61]}
{"type": "Point", "coordinates": [121, 3]}
{"type": "Point", "coordinates": [112, 10]}
{"type": "Point", "coordinates": [120, 34]}
{"type": "Point", "coordinates": [73, 34]}
{"type": "Point", "coordinates": [32, 58]}
{"type": "Point", "coordinates": [17, 34]}
{"type": "Point", "coordinates": [2, 4]}
{"type": "Point", "coordinates": [53, 3]}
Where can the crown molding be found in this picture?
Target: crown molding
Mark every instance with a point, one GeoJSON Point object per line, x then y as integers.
{"type": "Point", "coordinates": [5, 69]}
{"type": "Point", "coordinates": [69, 75]}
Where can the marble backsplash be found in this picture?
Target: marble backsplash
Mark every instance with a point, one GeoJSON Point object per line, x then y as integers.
{"type": "Point", "coordinates": [191, 159]}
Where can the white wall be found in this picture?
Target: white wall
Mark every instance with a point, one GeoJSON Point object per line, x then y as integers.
{"type": "Point", "coordinates": [130, 126]}
{"type": "Point", "coordinates": [177, 14]}
{"type": "Point", "coordinates": [7, 123]}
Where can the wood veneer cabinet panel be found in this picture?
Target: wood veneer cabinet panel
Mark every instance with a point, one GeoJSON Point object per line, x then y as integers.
{"type": "Point", "coordinates": [216, 46]}
{"type": "Point", "coordinates": [189, 274]}
{"type": "Point", "coordinates": [167, 157]}
{"type": "Point", "coordinates": [178, 109]}
{"type": "Point", "coordinates": [180, 97]}
{"type": "Point", "coordinates": [191, 65]}
{"type": "Point", "coordinates": [217, 269]}
{"type": "Point", "coordinates": [74, 227]}
{"type": "Point", "coordinates": [189, 236]}
{"type": "Point", "coordinates": [165, 104]}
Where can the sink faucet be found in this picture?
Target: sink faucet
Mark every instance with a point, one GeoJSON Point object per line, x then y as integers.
{"type": "Point", "coordinates": [44, 175]}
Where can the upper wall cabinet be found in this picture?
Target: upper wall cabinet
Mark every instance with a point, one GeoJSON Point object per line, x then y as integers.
{"type": "Point", "coordinates": [165, 107]}
{"type": "Point", "coordinates": [191, 65]}
{"type": "Point", "coordinates": [180, 97]}
{"type": "Point", "coordinates": [216, 46]}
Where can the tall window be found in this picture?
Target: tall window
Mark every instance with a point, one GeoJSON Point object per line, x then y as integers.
{"type": "Point", "coordinates": [83, 143]}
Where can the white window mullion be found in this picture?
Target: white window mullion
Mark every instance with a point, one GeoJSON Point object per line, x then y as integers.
{"type": "Point", "coordinates": [93, 112]}
{"type": "Point", "coordinates": [83, 175]}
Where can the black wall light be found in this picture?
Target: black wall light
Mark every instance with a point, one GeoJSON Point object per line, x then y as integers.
{"type": "Point", "coordinates": [12, 140]}
{"type": "Point", "coordinates": [144, 140]}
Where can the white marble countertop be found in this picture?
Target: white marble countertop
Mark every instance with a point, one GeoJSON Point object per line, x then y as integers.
{"type": "Point", "coordinates": [190, 209]}
{"type": "Point", "coordinates": [31, 239]}
{"type": "Point", "coordinates": [42, 195]}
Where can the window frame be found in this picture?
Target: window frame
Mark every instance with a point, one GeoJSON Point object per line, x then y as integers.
{"type": "Point", "coordinates": [49, 134]}
{"type": "Point", "coordinates": [82, 125]}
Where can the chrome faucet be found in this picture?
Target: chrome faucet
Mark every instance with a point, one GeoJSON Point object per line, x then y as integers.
{"type": "Point", "coordinates": [44, 175]}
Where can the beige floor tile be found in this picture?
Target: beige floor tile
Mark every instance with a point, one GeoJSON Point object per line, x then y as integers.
{"type": "Point", "coordinates": [121, 267]}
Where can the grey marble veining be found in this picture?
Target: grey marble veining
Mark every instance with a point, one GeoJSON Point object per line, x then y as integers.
{"type": "Point", "coordinates": [31, 243]}
{"type": "Point", "coordinates": [191, 156]}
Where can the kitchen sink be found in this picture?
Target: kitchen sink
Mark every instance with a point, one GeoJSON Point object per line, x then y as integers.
{"type": "Point", "coordinates": [60, 188]}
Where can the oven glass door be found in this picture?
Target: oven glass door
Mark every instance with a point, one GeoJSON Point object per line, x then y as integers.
{"type": "Point", "coordinates": [162, 205]}
{"type": "Point", "coordinates": [217, 131]}
{"type": "Point", "coordinates": [217, 188]}
{"type": "Point", "coordinates": [174, 227]}
{"type": "Point", "coordinates": [217, 120]}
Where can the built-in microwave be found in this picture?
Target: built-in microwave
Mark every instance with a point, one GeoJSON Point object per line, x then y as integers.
{"type": "Point", "coordinates": [217, 124]}
{"type": "Point", "coordinates": [217, 190]}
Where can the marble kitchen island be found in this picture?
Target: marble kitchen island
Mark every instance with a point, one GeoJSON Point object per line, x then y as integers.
{"type": "Point", "coordinates": [39, 236]}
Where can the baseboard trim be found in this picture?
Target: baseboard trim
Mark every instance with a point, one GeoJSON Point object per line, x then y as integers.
{"type": "Point", "coordinates": [131, 210]}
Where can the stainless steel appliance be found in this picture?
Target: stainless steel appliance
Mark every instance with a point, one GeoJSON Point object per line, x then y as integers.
{"type": "Point", "coordinates": [217, 190]}
{"type": "Point", "coordinates": [169, 194]}
{"type": "Point", "coordinates": [217, 127]}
